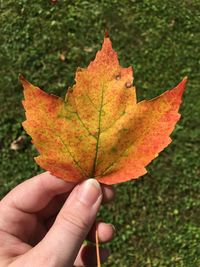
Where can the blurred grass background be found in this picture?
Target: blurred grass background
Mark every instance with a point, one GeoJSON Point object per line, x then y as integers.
{"type": "Point", "coordinates": [157, 217]}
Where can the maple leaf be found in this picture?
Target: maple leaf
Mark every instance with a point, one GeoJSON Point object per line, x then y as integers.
{"type": "Point", "coordinates": [99, 130]}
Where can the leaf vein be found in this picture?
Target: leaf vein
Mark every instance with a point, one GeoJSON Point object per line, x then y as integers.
{"type": "Point", "coordinates": [81, 121]}
{"type": "Point", "coordinates": [113, 124]}
{"type": "Point", "coordinates": [71, 155]}
{"type": "Point", "coordinates": [98, 134]}
{"type": "Point", "coordinates": [114, 162]}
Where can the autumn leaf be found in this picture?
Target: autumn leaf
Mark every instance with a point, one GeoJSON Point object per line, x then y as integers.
{"type": "Point", "coordinates": [99, 130]}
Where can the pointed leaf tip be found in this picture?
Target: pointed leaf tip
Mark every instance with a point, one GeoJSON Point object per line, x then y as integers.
{"type": "Point", "coordinates": [21, 77]}
{"type": "Point", "coordinates": [24, 82]}
{"type": "Point", "coordinates": [184, 81]}
{"type": "Point", "coordinates": [181, 86]}
{"type": "Point", "coordinates": [106, 35]}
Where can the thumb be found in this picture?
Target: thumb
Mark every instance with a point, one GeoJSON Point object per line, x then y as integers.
{"type": "Point", "coordinates": [63, 241]}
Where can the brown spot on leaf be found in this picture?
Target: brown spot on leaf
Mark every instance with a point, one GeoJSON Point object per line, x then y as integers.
{"type": "Point", "coordinates": [128, 84]}
{"type": "Point", "coordinates": [118, 77]}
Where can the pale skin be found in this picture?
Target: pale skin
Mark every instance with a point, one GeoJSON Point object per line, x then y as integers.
{"type": "Point", "coordinates": [45, 220]}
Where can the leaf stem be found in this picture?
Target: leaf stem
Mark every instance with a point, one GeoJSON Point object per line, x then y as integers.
{"type": "Point", "coordinates": [97, 248]}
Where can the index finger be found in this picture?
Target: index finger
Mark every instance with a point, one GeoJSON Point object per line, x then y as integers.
{"type": "Point", "coordinates": [35, 193]}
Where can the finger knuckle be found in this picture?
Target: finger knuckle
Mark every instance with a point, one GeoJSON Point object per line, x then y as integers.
{"type": "Point", "coordinates": [74, 223]}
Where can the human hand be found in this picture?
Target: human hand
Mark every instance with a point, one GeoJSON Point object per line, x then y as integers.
{"type": "Point", "coordinates": [44, 222]}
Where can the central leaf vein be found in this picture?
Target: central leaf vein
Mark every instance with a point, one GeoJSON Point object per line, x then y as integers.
{"type": "Point", "coordinates": [98, 134]}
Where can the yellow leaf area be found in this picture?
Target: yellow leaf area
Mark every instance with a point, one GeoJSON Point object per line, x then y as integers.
{"type": "Point", "coordinates": [99, 130]}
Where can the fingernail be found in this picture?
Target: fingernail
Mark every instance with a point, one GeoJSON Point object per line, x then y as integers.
{"type": "Point", "coordinates": [89, 191]}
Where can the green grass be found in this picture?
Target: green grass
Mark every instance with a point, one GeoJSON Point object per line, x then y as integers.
{"type": "Point", "coordinates": [157, 216]}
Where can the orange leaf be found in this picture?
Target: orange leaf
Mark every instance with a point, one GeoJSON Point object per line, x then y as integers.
{"type": "Point", "coordinates": [99, 130]}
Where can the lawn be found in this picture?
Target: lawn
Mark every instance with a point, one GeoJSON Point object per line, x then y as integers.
{"type": "Point", "coordinates": [157, 216]}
